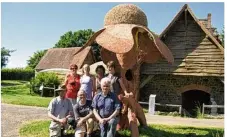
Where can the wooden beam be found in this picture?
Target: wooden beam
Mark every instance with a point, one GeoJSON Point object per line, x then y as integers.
{"type": "Point", "coordinates": [146, 80]}
{"type": "Point", "coordinates": [185, 17]}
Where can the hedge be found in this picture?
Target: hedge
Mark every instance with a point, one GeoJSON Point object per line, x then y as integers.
{"type": "Point", "coordinates": [48, 79]}
{"type": "Point", "coordinates": [17, 74]}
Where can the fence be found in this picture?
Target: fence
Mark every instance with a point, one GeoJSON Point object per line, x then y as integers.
{"type": "Point", "coordinates": [211, 106]}
{"type": "Point", "coordinates": [159, 104]}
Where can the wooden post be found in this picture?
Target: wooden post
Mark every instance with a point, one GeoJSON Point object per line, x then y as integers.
{"type": "Point", "coordinates": [180, 109]}
{"type": "Point", "coordinates": [42, 92]}
{"type": "Point", "coordinates": [152, 104]}
{"type": "Point", "coordinates": [54, 92]}
{"type": "Point", "coordinates": [203, 110]}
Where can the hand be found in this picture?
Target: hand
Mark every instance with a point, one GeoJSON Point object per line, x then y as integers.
{"type": "Point", "coordinates": [128, 94]}
{"type": "Point", "coordinates": [80, 122]}
{"type": "Point", "coordinates": [62, 121]}
{"type": "Point", "coordinates": [102, 121]}
{"type": "Point", "coordinates": [107, 119]}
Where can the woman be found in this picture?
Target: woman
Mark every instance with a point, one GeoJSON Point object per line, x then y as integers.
{"type": "Point", "coordinates": [87, 83]}
{"type": "Point", "coordinates": [116, 82]}
{"type": "Point", "coordinates": [100, 73]}
{"type": "Point", "coordinates": [72, 83]}
{"type": "Point", "coordinates": [117, 86]}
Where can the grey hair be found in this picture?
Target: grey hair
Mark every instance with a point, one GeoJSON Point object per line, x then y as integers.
{"type": "Point", "coordinates": [105, 81]}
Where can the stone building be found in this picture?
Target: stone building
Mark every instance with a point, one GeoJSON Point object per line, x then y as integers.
{"type": "Point", "coordinates": [198, 71]}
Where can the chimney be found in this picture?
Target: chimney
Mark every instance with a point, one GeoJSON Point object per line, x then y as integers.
{"type": "Point", "coordinates": [209, 20]}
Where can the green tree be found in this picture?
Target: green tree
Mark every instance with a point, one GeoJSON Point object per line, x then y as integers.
{"type": "Point", "coordinates": [5, 54]}
{"type": "Point", "coordinates": [36, 57]}
{"type": "Point", "coordinates": [222, 37]}
{"type": "Point", "coordinates": [78, 39]}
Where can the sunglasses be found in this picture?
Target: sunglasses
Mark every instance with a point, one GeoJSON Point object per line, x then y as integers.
{"type": "Point", "coordinates": [73, 68]}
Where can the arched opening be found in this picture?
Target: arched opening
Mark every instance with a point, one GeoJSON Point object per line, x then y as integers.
{"type": "Point", "coordinates": [192, 99]}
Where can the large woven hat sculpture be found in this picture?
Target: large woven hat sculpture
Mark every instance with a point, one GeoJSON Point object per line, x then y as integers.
{"type": "Point", "coordinates": [124, 38]}
{"type": "Point", "coordinates": [125, 32]}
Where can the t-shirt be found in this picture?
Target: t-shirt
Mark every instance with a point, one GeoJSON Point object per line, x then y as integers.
{"type": "Point", "coordinates": [82, 110]}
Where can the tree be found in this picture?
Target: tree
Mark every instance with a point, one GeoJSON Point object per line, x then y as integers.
{"type": "Point", "coordinates": [5, 54]}
{"type": "Point", "coordinates": [69, 39]}
{"type": "Point", "coordinates": [36, 57]}
{"type": "Point", "coordinates": [222, 37]}
{"type": "Point", "coordinates": [78, 39]}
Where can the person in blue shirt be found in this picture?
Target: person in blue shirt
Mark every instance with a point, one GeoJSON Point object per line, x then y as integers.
{"type": "Point", "coordinates": [106, 108]}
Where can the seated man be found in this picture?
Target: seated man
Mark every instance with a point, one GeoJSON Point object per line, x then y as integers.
{"type": "Point", "coordinates": [83, 115]}
{"type": "Point", "coordinates": [59, 109]}
{"type": "Point", "coordinates": [106, 108]}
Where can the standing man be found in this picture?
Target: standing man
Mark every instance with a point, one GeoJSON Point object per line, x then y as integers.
{"type": "Point", "coordinates": [59, 110]}
{"type": "Point", "coordinates": [106, 108]}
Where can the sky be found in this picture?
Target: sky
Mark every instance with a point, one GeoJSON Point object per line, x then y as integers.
{"type": "Point", "coordinates": [30, 27]}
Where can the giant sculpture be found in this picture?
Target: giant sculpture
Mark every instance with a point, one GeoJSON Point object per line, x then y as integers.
{"type": "Point", "coordinates": [127, 40]}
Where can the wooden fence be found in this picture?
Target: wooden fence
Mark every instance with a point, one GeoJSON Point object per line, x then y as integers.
{"type": "Point", "coordinates": [164, 105]}
{"type": "Point", "coordinates": [211, 106]}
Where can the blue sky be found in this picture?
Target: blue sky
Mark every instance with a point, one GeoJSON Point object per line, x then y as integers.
{"type": "Point", "coordinates": [29, 27]}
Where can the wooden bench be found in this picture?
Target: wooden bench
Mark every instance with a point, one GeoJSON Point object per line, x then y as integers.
{"type": "Point", "coordinates": [42, 87]}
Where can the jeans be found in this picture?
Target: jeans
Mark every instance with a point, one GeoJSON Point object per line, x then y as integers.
{"type": "Point", "coordinates": [109, 129]}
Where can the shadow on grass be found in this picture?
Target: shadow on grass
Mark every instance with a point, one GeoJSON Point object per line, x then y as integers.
{"type": "Point", "coordinates": [163, 131]}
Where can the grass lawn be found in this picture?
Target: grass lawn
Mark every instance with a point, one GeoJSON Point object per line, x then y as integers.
{"type": "Point", "coordinates": [40, 129]}
{"type": "Point", "coordinates": [18, 92]}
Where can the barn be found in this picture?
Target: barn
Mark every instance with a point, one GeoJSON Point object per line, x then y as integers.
{"type": "Point", "coordinates": [197, 75]}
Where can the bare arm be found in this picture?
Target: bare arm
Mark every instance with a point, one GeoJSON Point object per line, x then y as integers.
{"type": "Point", "coordinates": [93, 86]}
{"type": "Point", "coordinates": [62, 121]}
{"type": "Point", "coordinates": [123, 86]}
{"type": "Point", "coordinates": [87, 117]}
{"type": "Point", "coordinates": [66, 79]}
{"type": "Point", "coordinates": [115, 113]}
{"type": "Point", "coordinates": [96, 114]}
{"type": "Point", "coordinates": [53, 117]}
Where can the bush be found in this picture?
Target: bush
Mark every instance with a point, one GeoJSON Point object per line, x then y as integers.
{"type": "Point", "coordinates": [48, 79]}
{"type": "Point", "coordinates": [17, 74]}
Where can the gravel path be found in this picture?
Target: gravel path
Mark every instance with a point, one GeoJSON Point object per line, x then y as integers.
{"type": "Point", "coordinates": [14, 115]}
{"type": "Point", "coordinates": [193, 122]}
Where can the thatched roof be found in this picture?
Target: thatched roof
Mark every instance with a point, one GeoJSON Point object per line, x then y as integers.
{"type": "Point", "coordinates": [63, 57]}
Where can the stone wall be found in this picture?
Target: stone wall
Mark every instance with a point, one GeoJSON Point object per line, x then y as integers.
{"type": "Point", "coordinates": [168, 88]}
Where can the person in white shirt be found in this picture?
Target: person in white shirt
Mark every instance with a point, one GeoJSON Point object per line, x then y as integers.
{"type": "Point", "coordinates": [59, 110]}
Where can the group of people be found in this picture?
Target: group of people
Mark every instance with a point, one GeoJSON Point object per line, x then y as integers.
{"type": "Point", "coordinates": [88, 100]}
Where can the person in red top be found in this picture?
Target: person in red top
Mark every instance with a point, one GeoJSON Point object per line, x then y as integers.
{"type": "Point", "coordinates": [72, 83]}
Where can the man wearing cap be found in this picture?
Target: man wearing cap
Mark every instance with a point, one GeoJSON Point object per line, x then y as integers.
{"type": "Point", "coordinates": [59, 110]}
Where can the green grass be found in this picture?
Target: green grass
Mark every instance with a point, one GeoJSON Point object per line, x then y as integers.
{"type": "Point", "coordinates": [35, 129]}
{"type": "Point", "coordinates": [18, 92]}
{"type": "Point", "coordinates": [40, 129]}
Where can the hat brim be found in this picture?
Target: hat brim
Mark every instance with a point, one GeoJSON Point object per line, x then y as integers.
{"type": "Point", "coordinates": [119, 39]}
{"type": "Point", "coordinates": [59, 90]}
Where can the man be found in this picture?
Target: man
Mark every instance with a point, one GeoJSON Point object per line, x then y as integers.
{"type": "Point", "coordinates": [59, 110]}
{"type": "Point", "coordinates": [83, 115]}
{"type": "Point", "coordinates": [106, 108]}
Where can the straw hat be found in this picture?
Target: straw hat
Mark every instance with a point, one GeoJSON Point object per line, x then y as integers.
{"type": "Point", "coordinates": [120, 33]}
{"type": "Point", "coordinates": [60, 88]}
